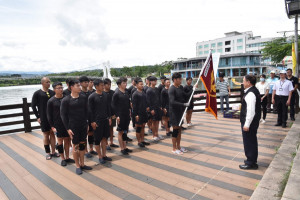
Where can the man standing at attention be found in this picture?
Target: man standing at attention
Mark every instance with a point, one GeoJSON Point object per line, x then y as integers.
{"type": "Point", "coordinates": [224, 91]}
{"type": "Point", "coordinates": [282, 94]}
{"type": "Point", "coordinates": [295, 82]}
{"type": "Point", "coordinates": [250, 116]}
{"type": "Point", "coordinates": [271, 82]}
{"type": "Point", "coordinates": [39, 107]}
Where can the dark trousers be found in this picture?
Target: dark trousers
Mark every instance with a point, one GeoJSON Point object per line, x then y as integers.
{"type": "Point", "coordinates": [292, 105]}
{"type": "Point", "coordinates": [282, 108]}
{"type": "Point", "coordinates": [269, 104]}
{"type": "Point", "coordinates": [250, 145]}
{"type": "Point", "coordinates": [264, 107]}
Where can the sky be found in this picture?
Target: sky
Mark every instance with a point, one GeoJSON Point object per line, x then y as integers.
{"type": "Point", "coordinates": [68, 35]}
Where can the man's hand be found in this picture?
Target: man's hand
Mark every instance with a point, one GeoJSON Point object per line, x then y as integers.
{"type": "Point", "coordinates": [118, 120]}
{"type": "Point", "coordinates": [148, 109]}
{"type": "Point", "coordinates": [186, 104]}
{"type": "Point", "coordinates": [152, 112]}
{"type": "Point", "coordinates": [229, 93]}
{"type": "Point", "coordinates": [273, 101]}
{"type": "Point", "coordinates": [53, 129]}
{"type": "Point", "coordinates": [137, 118]}
{"type": "Point", "coordinates": [70, 133]}
{"type": "Point", "coordinates": [165, 111]}
{"type": "Point", "coordinates": [288, 102]}
{"type": "Point", "coordinates": [94, 125]}
{"type": "Point", "coordinates": [109, 121]}
{"type": "Point", "coordinates": [38, 120]}
{"type": "Point", "coordinates": [261, 99]}
{"type": "Point", "coordinates": [245, 128]}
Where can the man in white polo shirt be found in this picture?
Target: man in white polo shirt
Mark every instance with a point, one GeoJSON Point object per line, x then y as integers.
{"type": "Point", "coordinates": [282, 93]}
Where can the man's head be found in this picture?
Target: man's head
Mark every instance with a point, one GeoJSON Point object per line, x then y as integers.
{"type": "Point", "coordinates": [99, 84]}
{"type": "Point", "coordinates": [107, 84]}
{"type": "Point", "coordinates": [282, 74]}
{"type": "Point", "coordinates": [122, 83]}
{"type": "Point", "coordinates": [167, 82]}
{"type": "Point", "coordinates": [91, 83]}
{"type": "Point", "coordinates": [162, 79]}
{"type": "Point", "coordinates": [176, 78]}
{"type": "Point", "coordinates": [189, 80]}
{"type": "Point", "coordinates": [262, 78]}
{"type": "Point", "coordinates": [133, 81]}
{"type": "Point", "coordinates": [75, 86]}
{"type": "Point", "coordinates": [221, 77]}
{"type": "Point", "coordinates": [45, 81]}
{"type": "Point", "coordinates": [148, 80]}
{"type": "Point", "coordinates": [289, 72]}
{"type": "Point", "coordinates": [84, 81]}
{"type": "Point", "coordinates": [58, 88]}
{"type": "Point", "coordinates": [153, 81]}
{"type": "Point", "coordinates": [67, 81]}
{"type": "Point", "coordinates": [249, 81]}
{"type": "Point", "coordinates": [272, 74]}
{"type": "Point", "coordinates": [139, 84]}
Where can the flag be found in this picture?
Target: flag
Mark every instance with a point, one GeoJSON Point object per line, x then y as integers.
{"type": "Point", "coordinates": [294, 58]}
{"type": "Point", "coordinates": [208, 78]}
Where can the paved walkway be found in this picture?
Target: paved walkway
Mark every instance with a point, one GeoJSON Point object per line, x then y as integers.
{"type": "Point", "coordinates": [208, 171]}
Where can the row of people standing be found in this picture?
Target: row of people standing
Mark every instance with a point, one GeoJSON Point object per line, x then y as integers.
{"type": "Point", "coordinates": [82, 114]}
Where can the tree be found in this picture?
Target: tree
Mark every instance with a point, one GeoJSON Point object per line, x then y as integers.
{"type": "Point", "coordinates": [277, 49]}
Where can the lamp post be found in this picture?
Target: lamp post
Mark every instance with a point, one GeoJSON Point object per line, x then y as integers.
{"type": "Point", "coordinates": [292, 8]}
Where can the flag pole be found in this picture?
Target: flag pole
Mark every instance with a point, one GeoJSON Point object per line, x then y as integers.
{"type": "Point", "coordinates": [195, 87]}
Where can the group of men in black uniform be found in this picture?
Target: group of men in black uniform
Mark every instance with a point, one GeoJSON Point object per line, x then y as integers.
{"type": "Point", "coordinates": [81, 114]}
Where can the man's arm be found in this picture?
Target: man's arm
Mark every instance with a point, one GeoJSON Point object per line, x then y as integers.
{"type": "Point", "coordinates": [50, 113]}
{"type": "Point", "coordinates": [251, 101]}
{"type": "Point", "coordinates": [64, 111]}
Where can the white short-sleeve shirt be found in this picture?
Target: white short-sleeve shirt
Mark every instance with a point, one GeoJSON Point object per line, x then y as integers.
{"type": "Point", "coordinates": [283, 88]}
{"type": "Point", "coordinates": [262, 88]}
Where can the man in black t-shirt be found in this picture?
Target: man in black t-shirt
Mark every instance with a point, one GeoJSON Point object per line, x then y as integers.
{"type": "Point", "coordinates": [39, 108]}
{"type": "Point", "coordinates": [295, 82]}
{"type": "Point", "coordinates": [165, 106]}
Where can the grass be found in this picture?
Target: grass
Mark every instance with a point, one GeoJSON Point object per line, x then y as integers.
{"type": "Point", "coordinates": [284, 181]}
{"type": "Point", "coordinates": [276, 148]}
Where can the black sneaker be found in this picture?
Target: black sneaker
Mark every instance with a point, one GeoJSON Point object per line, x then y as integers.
{"type": "Point", "coordinates": [278, 124]}
{"type": "Point", "coordinates": [78, 171]}
{"type": "Point", "coordinates": [124, 152]}
{"type": "Point", "coordinates": [293, 118]}
{"type": "Point", "coordinates": [107, 158]}
{"type": "Point", "coordinates": [128, 139]}
{"type": "Point", "coordinates": [128, 150]}
{"type": "Point", "coordinates": [141, 145]}
{"type": "Point", "coordinates": [146, 143]}
{"type": "Point", "coordinates": [69, 160]}
{"type": "Point", "coordinates": [93, 152]}
{"type": "Point", "coordinates": [183, 128]}
{"type": "Point", "coordinates": [145, 134]}
{"type": "Point", "coordinates": [63, 163]}
{"type": "Point", "coordinates": [283, 126]}
{"type": "Point", "coordinates": [86, 167]}
{"type": "Point", "coordinates": [168, 134]}
{"type": "Point", "coordinates": [114, 145]}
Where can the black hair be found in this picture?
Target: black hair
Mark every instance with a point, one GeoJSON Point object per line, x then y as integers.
{"type": "Point", "coordinates": [73, 82]}
{"type": "Point", "coordinates": [262, 75]}
{"type": "Point", "coordinates": [152, 78]}
{"type": "Point", "coordinates": [162, 77]}
{"type": "Point", "coordinates": [148, 78]}
{"type": "Point", "coordinates": [83, 78]}
{"type": "Point", "coordinates": [221, 75]}
{"type": "Point", "coordinates": [289, 69]}
{"type": "Point", "coordinates": [137, 79]}
{"type": "Point", "coordinates": [121, 80]}
{"type": "Point", "coordinates": [68, 80]}
{"type": "Point", "coordinates": [91, 79]}
{"type": "Point", "coordinates": [56, 84]}
{"type": "Point", "coordinates": [98, 81]}
{"type": "Point", "coordinates": [189, 78]}
{"type": "Point", "coordinates": [251, 78]}
{"type": "Point", "coordinates": [167, 79]}
{"type": "Point", "coordinates": [107, 81]}
{"type": "Point", "coordinates": [176, 75]}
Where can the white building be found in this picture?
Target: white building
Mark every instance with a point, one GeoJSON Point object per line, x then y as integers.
{"type": "Point", "coordinates": [233, 43]}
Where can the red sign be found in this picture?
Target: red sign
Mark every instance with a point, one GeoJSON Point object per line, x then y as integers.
{"type": "Point", "coordinates": [208, 79]}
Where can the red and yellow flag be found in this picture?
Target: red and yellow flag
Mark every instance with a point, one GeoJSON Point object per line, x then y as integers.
{"type": "Point", "coordinates": [208, 79]}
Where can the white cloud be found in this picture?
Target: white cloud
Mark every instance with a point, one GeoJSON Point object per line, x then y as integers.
{"type": "Point", "coordinates": [73, 34]}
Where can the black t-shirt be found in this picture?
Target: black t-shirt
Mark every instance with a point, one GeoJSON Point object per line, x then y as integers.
{"type": "Point", "coordinates": [92, 91]}
{"type": "Point", "coordinates": [139, 104]}
{"type": "Point", "coordinates": [99, 107]}
{"type": "Point", "coordinates": [39, 103]}
{"type": "Point", "coordinates": [53, 113]}
{"type": "Point", "coordinates": [88, 93]}
{"type": "Point", "coordinates": [121, 103]}
{"type": "Point", "coordinates": [160, 87]}
{"type": "Point", "coordinates": [165, 98]}
{"type": "Point", "coordinates": [133, 91]}
{"type": "Point", "coordinates": [153, 98]}
{"type": "Point", "coordinates": [110, 94]}
{"type": "Point", "coordinates": [74, 111]}
{"type": "Point", "coordinates": [66, 92]}
{"type": "Point", "coordinates": [294, 81]}
{"type": "Point", "coordinates": [176, 98]}
{"type": "Point", "coordinates": [145, 88]}
{"type": "Point", "coordinates": [188, 89]}
{"type": "Point", "coordinates": [130, 89]}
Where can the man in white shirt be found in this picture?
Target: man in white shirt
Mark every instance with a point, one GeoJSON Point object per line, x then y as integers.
{"type": "Point", "coordinates": [250, 116]}
{"type": "Point", "coordinates": [263, 89]}
{"type": "Point", "coordinates": [282, 93]}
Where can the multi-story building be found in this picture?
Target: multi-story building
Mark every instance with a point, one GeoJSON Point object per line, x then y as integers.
{"type": "Point", "coordinates": [240, 54]}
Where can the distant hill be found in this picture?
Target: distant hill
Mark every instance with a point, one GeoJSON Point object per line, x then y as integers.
{"type": "Point", "coordinates": [23, 73]}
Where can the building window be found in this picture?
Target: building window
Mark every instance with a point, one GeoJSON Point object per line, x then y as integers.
{"type": "Point", "coordinates": [220, 44]}
{"type": "Point", "coordinates": [213, 51]}
{"type": "Point", "coordinates": [200, 47]}
{"type": "Point", "coordinates": [213, 45]}
{"type": "Point", "coordinates": [206, 46]}
{"type": "Point", "coordinates": [200, 52]}
{"type": "Point", "coordinates": [205, 52]}
{"type": "Point", "coordinates": [239, 40]}
{"type": "Point", "coordinates": [227, 49]}
{"type": "Point", "coordinates": [239, 47]}
{"type": "Point", "coordinates": [227, 42]}
{"type": "Point", "coordinates": [220, 50]}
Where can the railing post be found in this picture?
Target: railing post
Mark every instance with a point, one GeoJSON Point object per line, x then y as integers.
{"type": "Point", "coordinates": [26, 116]}
{"type": "Point", "coordinates": [242, 92]}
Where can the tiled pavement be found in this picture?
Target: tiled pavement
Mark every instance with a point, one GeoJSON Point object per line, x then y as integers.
{"type": "Point", "coordinates": [208, 171]}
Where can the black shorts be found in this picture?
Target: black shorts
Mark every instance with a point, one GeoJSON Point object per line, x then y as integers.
{"type": "Point", "coordinates": [167, 114]}
{"type": "Point", "coordinates": [91, 128]}
{"type": "Point", "coordinates": [80, 134]}
{"type": "Point", "coordinates": [113, 122]}
{"type": "Point", "coordinates": [142, 119]}
{"type": "Point", "coordinates": [175, 118]}
{"type": "Point", "coordinates": [191, 107]}
{"type": "Point", "coordinates": [157, 116]}
{"type": "Point", "coordinates": [124, 123]}
{"type": "Point", "coordinates": [61, 133]}
{"type": "Point", "coordinates": [102, 131]}
{"type": "Point", "coordinates": [45, 126]}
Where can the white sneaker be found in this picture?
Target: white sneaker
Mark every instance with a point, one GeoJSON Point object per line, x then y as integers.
{"type": "Point", "coordinates": [263, 121]}
{"type": "Point", "coordinates": [183, 150]}
{"type": "Point", "coordinates": [177, 152]}
{"type": "Point", "coordinates": [156, 139]}
{"type": "Point", "coordinates": [161, 137]}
